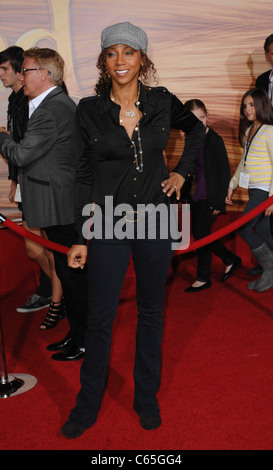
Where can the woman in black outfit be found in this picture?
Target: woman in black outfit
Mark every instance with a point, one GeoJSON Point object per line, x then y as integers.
{"type": "Point", "coordinates": [212, 178]}
{"type": "Point", "coordinates": [122, 133]}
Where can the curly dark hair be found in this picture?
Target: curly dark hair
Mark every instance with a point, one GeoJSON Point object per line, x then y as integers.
{"type": "Point", "coordinates": [104, 82]}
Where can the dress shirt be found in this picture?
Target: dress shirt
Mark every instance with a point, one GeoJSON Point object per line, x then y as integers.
{"type": "Point", "coordinates": [33, 104]}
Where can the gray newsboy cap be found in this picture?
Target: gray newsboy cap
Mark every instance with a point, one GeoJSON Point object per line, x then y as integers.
{"type": "Point", "coordinates": [124, 33]}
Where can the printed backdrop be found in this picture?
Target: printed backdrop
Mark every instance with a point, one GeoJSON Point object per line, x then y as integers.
{"type": "Point", "coordinates": [209, 50]}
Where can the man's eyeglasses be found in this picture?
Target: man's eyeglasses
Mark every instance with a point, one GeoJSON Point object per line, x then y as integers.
{"type": "Point", "coordinates": [24, 71]}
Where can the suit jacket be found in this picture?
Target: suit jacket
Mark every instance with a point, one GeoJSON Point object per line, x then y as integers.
{"type": "Point", "coordinates": [46, 161]}
{"type": "Point", "coordinates": [263, 81]}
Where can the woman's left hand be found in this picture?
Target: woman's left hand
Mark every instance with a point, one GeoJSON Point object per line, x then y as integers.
{"type": "Point", "coordinates": [269, 210]}
{"type": "Point", "coordinates": [173, 184]}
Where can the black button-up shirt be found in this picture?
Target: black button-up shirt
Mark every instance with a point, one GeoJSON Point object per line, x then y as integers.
{"type": "Point", "coordinates": [107, 166]}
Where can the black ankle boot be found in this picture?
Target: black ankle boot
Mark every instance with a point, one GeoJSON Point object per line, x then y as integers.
{"type": "Point", "coordinates": [150, 422]}
{"type": "Point", "coordinates": [71, 431]}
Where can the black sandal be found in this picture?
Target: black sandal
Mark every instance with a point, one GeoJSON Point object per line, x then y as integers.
{"type": "Point", "coordinates": [55, 313]}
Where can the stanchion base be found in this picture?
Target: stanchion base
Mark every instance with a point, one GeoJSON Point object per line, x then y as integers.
{"type": "Point", "coordinates": [16, 384]}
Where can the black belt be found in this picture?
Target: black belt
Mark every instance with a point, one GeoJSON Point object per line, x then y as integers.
{"type": "Point", "coordinates": [133, 215]}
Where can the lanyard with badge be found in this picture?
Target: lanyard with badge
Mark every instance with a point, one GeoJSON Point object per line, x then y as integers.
{"type": "Point", "coordinates": [244, 177]}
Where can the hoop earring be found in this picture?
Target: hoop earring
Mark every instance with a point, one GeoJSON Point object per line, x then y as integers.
{"type": "Point", "coordinates": [107, 76]}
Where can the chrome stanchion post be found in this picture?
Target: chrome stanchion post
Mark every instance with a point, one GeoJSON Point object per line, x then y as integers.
{"type": "Point", "coordinates": [2, 218]}
{"type": "Point", "coordinates": [7, 385]}
{"type": "Point", "coordinates": [3, 364]}
{"type": "Point", "coordinates": [14, 384]}
{"type": "Point", "coordinates": [11, 385]}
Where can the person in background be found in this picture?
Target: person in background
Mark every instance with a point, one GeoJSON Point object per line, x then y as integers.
{"type": "Point", "coordinates": [212, 176]}
{"type": "Point", "coordinates": [255, 173]}
{"type": "Point", "coordinates": [265, 80]}
{"type": "Point", "coordinates": [122, 132]}
{"type": "Point", "coordinates": [46, 161]}
{"type": "Point", "coordinates": [11, 60]}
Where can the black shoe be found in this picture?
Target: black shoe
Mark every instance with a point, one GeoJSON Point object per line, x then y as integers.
{"type": "Point", "coordinates": [235, 265]}
{"type": "Point", "coordinates": [61, 345]}
{"type": "Point", "coordinates": [150, 422]}
{"type": "Point", "coordinates": [255, 271]}
{"type": "Point", "coordinates": [71, 354]}
{"type": "Point", "coordinates": [71, 431]}
{"type": "Point", "coordinates": [34, 303]}
{"type": "Point", "coordinates": [207, 285]}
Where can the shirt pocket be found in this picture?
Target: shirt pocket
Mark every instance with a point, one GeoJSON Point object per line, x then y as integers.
{"type": "Point", "coordinates": [161, 134]}
{"type": "Point", "coordinates": [100, 146]}
{"type": "Point", "coordinates": [38, 181]}
{"type": "Point", "coordinates": [97, 139]}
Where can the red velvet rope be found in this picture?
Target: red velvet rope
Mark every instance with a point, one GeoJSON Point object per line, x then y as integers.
{"type": "Point", "coordinates": [27, 234]}
{"type": "Point", "coordinates": [193, 246]}
{"type": "Point", "coordinates": [231, 227]}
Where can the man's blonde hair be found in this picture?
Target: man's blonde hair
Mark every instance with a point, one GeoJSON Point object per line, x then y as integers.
{"type": "Point", "coordinates": [50, 60]}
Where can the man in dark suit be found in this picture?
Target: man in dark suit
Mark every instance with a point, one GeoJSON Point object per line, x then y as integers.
{"type": "Point", "coordinates": [264, 80]}
{"type": "Point", "coordinates": [46, 159]}
{"type": "Point", "coordinates": [11, 61]}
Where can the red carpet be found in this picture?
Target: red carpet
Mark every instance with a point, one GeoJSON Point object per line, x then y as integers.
{"type": "Point", "coordinates": [217, 375]}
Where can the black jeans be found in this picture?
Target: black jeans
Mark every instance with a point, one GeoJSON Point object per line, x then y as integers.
{"type": "Point", "coordinates": [107, 265]}
{"type": "Point", "coordinates": [202, 221]}
{"type": "Point", "coordinates": [74, 283]}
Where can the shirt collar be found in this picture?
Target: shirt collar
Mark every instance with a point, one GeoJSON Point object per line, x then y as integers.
{"type": "Point", "coordinates": [33, 104]}
{"type": "Point", "coordinates": [145, 97]}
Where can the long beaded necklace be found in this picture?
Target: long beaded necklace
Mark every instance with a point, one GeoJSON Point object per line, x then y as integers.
{"type": "Point", "coordinates": [131, 113]}
{"type": "Point", "coordinates": [139, 166]}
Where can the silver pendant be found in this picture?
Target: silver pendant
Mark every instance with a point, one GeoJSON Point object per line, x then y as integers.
{"type": "Point", "coordinates": [130, 113]}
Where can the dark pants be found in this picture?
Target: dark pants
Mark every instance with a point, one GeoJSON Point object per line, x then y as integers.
{"type": "Point", "coordinates": [74, 283]}
{"type": "Point", "coordinates": [44, 287]}
{"type": "Point", "coordinates": [257, 230]}
{"type": "Point", "coordinates": [202, 221]}
{"type": "Point", "coordinates": [107, 266]}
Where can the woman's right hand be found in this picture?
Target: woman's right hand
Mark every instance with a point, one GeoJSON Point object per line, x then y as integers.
{"type": "Point", "coordinates": [77, 256]}
{"type": "Point", "coordinates": [228, 199]}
